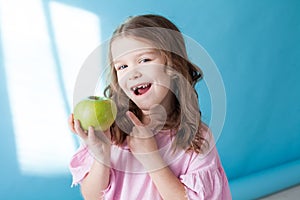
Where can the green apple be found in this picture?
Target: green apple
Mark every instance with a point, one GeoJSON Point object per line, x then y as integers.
{"type": "Point", "coordinates": [98, 112]}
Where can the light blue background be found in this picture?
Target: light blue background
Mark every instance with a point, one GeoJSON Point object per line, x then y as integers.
{"type": "Point", "coordinates": [255, 45]}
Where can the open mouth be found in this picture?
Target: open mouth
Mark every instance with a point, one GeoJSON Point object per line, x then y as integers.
{"type": "Point", "coordinates": [141, 89]}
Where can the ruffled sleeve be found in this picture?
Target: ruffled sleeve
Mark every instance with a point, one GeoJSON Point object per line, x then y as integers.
{"type": "Point", "coordinates": [80, 164]}
{"type": "Point", "coordinates": [206, 179]}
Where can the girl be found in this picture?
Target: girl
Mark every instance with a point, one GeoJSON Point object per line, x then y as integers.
{"type": "Point", "coordinates": [157, 148]}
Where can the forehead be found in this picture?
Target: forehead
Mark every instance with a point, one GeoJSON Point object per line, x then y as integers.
{"type": "Point", "coordinates": [124, 45]}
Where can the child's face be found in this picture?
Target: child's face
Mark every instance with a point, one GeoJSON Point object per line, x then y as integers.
{"type": "Point", "coordinates": [140, 69]}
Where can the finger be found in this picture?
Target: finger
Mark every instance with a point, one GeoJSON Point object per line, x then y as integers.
{"type": "Point", "coordinates": [107, 134]}
{"type": "Point", "coordinates": [71, 118]}
{"type": "Point", "coordinates": [80, 132]}
{"type": "Point", "coordinates": [134, 119]}
{"type": "Point", "coordinates": [135, 132]}
{"type": "Point", "coordinates": [93, 135]}
{"type": "Point", "coordinates": [71, 123]}
{"type": "Point", "coordinates": [141, 132]}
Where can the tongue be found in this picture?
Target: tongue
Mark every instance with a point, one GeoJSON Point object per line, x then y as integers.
{"type": "Point", "coordinates": [143, 90]}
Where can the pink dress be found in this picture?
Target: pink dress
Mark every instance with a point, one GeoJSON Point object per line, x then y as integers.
{"type": "Point", "coordinates": [202, 174]}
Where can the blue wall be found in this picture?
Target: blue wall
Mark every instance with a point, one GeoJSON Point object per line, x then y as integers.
{"type": "Point", "coordinates": [255, 45]}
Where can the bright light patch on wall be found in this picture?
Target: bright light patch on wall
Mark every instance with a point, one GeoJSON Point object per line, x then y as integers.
{"type": "Point", "coordinates": [44, 143]}
{"type": "Point", "coordinates": [76, 34]}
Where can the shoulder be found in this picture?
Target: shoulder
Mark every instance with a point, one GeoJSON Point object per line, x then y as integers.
{"type": "Point", "coordinates": [208, 161]}
{"type": "Point", "coordinates": [80, 164]}
{"type": "Point", "coordinates": [205, 175]}
{"type": "Point", "coordinates": [202, 140]}
{"type": "Point", "coordinates": [207, 153]}
{"type": "Point", "coordinates": [205, 132]}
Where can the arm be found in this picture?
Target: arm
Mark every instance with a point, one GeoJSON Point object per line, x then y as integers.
{"type": "Point", "coordinates": [95, 181]}
{"type": "Point", "coordinates": [99, 145]}
{"type": "Point", "coordinates": [144, 147]}
{"type": "Point", "coordinates": [168, 185]}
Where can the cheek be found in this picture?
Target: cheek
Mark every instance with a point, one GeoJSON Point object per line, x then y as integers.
{"type": "Point", "coordinates": [158, 73]}
{"type": "Point", "coordinates": [121, 81]}
{"type": "Point", "coordinates": [123, 85]}
{"type": "Point", "coordinates": [164, 80]}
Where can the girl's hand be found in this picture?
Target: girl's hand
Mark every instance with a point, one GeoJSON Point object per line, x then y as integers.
{"type": "Point", "coordinates": [141, 140]}
{"type": "Point", "coordinates": [98, 142]}
{"type": "Point", "coordinates": [143, 145]}
{"type": "Point", "coordinates": [71, 123]}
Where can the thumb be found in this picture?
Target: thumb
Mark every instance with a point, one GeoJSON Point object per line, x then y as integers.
{"type": "Point", "coordinates": [134, 119]}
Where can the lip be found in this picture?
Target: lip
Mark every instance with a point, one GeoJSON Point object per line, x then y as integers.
{"type": "Point", "coordinates": [132, 88]}
{"type": "Point", "coordinates": [140, 85]}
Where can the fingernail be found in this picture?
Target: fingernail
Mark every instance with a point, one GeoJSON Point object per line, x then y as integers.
{"type": "Point", "coordinates": [128, 113]}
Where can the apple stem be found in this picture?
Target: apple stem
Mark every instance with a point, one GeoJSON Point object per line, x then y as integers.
{"type": "Point", "coordinates": [93, 97]}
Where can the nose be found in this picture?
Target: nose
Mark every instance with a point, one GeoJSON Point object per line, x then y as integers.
{"type": "Point", "coordinates": [135, 75]}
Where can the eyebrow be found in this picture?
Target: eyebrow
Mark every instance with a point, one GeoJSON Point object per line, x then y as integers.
{"type": "Point", "coordinates": [146, 51]}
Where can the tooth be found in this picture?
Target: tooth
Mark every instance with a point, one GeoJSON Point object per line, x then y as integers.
{"type": "Point", "coordinates": [140, 86]}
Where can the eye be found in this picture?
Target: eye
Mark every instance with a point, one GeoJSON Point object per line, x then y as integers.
{"type": "Point", "coordinates": [143, 60]}
{"type": "Point", "coordinates": [121, 67]}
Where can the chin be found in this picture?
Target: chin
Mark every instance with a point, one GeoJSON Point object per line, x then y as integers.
{"type": "Point", "coordinates": [144, 107]}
